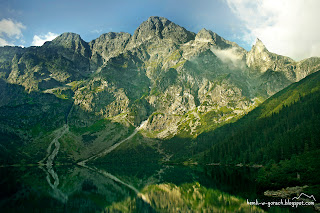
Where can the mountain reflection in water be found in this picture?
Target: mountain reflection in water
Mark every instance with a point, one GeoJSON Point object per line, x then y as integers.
{"type": "Point", "coordinates": [147, 188]}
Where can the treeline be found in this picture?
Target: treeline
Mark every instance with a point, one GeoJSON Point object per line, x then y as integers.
{"type": "Point", "coordinates": [295, 129]}
{"type": "Point", "coordinates": [282, 134]}
{"type": "Point", "coordinates": [285, 125]}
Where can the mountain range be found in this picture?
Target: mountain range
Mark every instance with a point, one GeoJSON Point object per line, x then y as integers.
{"type": "Point", "coordinates": [182, 84]}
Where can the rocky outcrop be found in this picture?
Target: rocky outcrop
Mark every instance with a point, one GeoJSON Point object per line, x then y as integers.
{"type": "Point", "coordinates": [181, 82]}
{"type": "Point", "coordinates": [72, 47]}
{"type": "Point", "coordinates": [160, 28]}
{"type": "Point", "coordinates": [288, 192]}
{"type": "Point", "coordinates": [261, 59]}
{"type": "Point", "coordinates": [107, 46]}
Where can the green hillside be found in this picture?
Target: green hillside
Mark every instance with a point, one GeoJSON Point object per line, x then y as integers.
{"type": "Point", "coordinates": [282, 134]}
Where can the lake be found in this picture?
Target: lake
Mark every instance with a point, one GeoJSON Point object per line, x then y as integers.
{"type": "Point", "coordinates": [132, 188]}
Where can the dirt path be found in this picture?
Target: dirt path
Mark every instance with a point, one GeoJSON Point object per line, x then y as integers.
{"type": "Point", "coordinates": [53, 149]}
{"type": "Point", "coordinates": [52, 152]}
{"type": "Point", "coordinates": [113, 147]}
{"type": "Point", "coordinates": [53, 181]}
{"type": "Point", "coordinates": [112, 177]}
{"type": "Point", "coordinates": [52, 176]}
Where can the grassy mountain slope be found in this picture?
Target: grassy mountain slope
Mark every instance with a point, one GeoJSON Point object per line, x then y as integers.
{"type": "Point", "coordinates": [282, 134]}
{"type": "Point", "coordinates": [280, 127]}
{"type": "Point", "coordinates": [184, 84]}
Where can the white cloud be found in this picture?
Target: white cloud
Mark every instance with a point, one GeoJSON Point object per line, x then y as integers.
{"type": "Point", "coordinates": [4, 42]}
{"type": "Point", "coordinates": [229, 56]}
{"type": "Point", "coordinates": [10, 30]}
{"type": "Point", "coordinates": [96, 31]}
{"type": "Point", "coordinates": [38, 40]}
{"type": "Point", "coordinates": [286, 27]}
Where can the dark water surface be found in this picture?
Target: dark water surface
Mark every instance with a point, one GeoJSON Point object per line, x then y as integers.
{"type": "Point", "coordinates": [134, 188]}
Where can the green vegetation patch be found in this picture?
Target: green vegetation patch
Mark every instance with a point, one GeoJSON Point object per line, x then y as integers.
{"type": "Point", "coordinates": [179, 64]}
{"type": "Point", "coordinates": [189, 197]}
{"type": "Point", "coordinates": [96, 127]}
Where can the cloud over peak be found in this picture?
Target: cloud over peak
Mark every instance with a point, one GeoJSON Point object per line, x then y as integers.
{"type": "Point", "coordinates": [287, 27]}
{"type": "Point", "coordinates": [38, 40]}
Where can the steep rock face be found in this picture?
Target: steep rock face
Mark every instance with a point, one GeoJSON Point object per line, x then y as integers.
{"type": "Point", "coordinates": [178, 73]}
{"type": "Point", "coordinates": [55, 64]}
{"type": "Point", "coordinates": [160, 28]}
{"type": "Point", "coordinates": [72, 42]}
{"type": "Point", "coordinates": [260, 59]}
{"type": "Point", "coordinates": [39, 69]}
{"type": "Point", "coordinates": [276, 71]}
{"type": "Point", "coordinates": [101, 98]}
{"type": "Point", "coordinates": [72, 47]}
{"type": "Point", "coordinates": [258, 56]}
{"type": "Point", "coordinates": [7, 53]}
{"type": "Point", "coordinates": [306, 67]}
{"type": "Point", "coordinates": [205, 35]}
{"type": "Point", "coordinates": [107, 46]}
{"type": "Point", "coordinates": [180, 82]}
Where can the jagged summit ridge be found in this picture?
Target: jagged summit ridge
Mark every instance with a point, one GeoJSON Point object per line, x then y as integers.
{"type": "Point", "coordinates": [161, 28]}
{"type": "Point", "coordinates": [65, 39]}
{"type": "Point", "coordinates": [161, 44]}
{"type": "Point", "coordinates": [205, 35]}
{"type": "Point", "coordinates": [259, 46]}
{"type": "Point", "coordinates": [71, 41]}
{"type": "Point", "coordinates": [178, 82]}
{"type": "Point", "coordinates": [108, 45]}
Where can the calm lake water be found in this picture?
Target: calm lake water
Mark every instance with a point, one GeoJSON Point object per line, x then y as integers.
{"type": "Point", "coordinates": [124, 188]}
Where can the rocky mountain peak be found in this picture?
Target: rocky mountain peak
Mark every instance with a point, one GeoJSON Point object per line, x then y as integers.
{"type": "Point", "coordinates": [259, 47]}
{"type": "Point", "coordinates": [158, 21]}
{"type": "Point", "coordinates": [108, 45]}
{"type": "Point", "coordinates": [65, 38]}
{"type": "Point", "coordinates": [205, 35]}
{"type": "Point", "coordinates": [113, 35]}
{"type": "Point", "coordinates": [154, 24]}
{"type": "Point", "coordinates": [110, 37]}
{"type": "Point", "coordinates": [70, 41]}
{"type": "Point", "coordinates": [259, 57]}
{"type": "Point", "coordinates": [161, 28]}
{"type": "Point", "coordinates": [179, 88]}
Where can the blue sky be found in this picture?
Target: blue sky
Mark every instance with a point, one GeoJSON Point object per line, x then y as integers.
{"type": "Point", "coordinates": [31, 22]}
